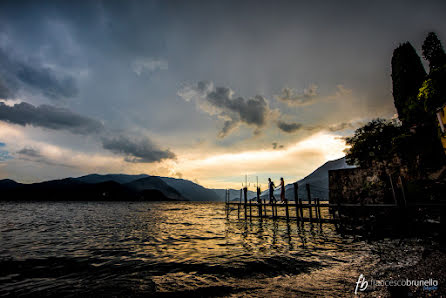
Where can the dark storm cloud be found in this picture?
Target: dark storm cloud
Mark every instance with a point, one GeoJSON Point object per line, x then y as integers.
{"type": "Point", "coordinates": [32, 76]}
{"type": "Point", "coordinates": [228, 127]}
{"type": "Point", "coordinates": [293, 98]}
{"type": "Point", "coordinates": [341, 126]}
{"type": "Point", "coordinates": [337, 127]}
{"type": "Point", "coordinates": [30, 152]}
{"type": "Point", "coordinates": [136, 150]}
{"type": "Point", "coordinates": [34, 155]}
{"type": "Point", "coordinates": [219, 101]}
{"type": "Point", "coordinates": [289, 127]}
{"type": "Point", "coordinates": [252, 111]}
{"type": "Point", "coordinates": [51, 117]}
{"type": "Point", "coordinates": [44, 80]}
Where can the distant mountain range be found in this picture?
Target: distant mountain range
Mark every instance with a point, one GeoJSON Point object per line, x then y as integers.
{"type": "Point", "coordinates": [120, 178]}
{"type": "Point", "coordinates": [192, 191]}
{"type": "Point", "coordinates": [68, 189]}
{"type": "Point", "coordinates": [150, 188]}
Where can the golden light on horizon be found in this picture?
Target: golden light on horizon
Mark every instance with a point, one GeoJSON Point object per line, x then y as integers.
{"type": "Point", "coordinates": [295, 161]}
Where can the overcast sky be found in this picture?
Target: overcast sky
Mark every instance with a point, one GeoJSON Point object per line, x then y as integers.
{"type": "Point", "coordinates": [204, 90]}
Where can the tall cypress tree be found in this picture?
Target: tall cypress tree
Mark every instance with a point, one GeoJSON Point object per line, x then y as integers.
{"type": "Point", "coordinates": [433, 52]}
{"type": "Point", "coordinates": [408, 75]}
{"type": "Point", "coordinates": [433, 95]}
{"type": "Point", "coordinates": [433, 91]}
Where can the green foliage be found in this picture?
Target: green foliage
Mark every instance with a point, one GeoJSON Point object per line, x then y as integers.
{"type": "Point", "coordinates": [427, 90]}
{"type": "Point", "coordinates": [408, 75]}
{"type": "Point", "coordinates": [432, 93]}
{"type": "Point", "coordinates": [433, 51]}
{"type": "Point", "coordinates": [373, 142]}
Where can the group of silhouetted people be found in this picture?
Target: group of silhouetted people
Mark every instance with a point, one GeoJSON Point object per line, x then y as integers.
{"type": "Point", "coordinates": [271, 186]}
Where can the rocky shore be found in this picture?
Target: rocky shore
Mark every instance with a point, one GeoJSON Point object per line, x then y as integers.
{"type": "Point", "coordinates": [407, 259]}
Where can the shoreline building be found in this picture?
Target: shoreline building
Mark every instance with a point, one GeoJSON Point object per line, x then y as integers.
{"type": "Point", "coordinates": [441, 117]}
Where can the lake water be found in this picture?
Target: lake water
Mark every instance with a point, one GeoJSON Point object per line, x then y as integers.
{"type": "Point", "coordinates": [168, 249]}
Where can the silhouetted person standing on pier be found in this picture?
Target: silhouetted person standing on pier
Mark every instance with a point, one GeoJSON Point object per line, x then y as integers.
{"type": "Point", "coordinates": [271, 186]}
{"type": "Point", "coordinates": [282, 190]}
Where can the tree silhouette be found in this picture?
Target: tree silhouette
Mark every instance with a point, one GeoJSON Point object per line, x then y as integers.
{"type": "Point", "coordinates": [433, 90]}
{"type": "Point", "coordinates": [408, 75]}
{"type": "Point", "coordinates": [372, 142]}
{"type": "Point", "coordinates": [433, 51]}
{"type": "Point", "coordinates": [432, 95]}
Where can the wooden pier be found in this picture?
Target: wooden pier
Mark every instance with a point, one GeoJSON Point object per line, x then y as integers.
{"type": "Point", "coordinates": [344, 216]}
{"type": "Point", "coordinates": [311, 210]}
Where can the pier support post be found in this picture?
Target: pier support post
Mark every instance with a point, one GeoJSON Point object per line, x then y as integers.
{"type": "Point", "coordinates": [301, 208]}
{"type": "Point", "coordinates": [250, 210]}
{"type": "Point", "coordinates": [287, 213]}
{"type": "Point", "coordinates": [273, 210]}
{"type": "Point", "coordinates": [226, 203]}
{"type": "Point", "coordinates": [310, 212]}
{"type": "Point", "coordinates": [239, 203]}
{"type": "Point", "coordinates": [245, 193]}
{"type": "Point", "coordinates": [296, 200]}
{"type": "Point", "coordinates": [316, 211]}
{"type": "Point", "coordinates": [259, 202]}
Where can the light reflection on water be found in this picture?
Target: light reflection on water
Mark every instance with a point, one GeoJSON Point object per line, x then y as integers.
{"type": "Point", "coordinates": [163, 248]}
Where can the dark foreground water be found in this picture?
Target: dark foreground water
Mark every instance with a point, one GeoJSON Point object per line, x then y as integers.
{"type": "Point", "coordinates": [169, 249]}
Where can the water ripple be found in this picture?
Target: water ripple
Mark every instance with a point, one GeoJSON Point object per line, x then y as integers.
{"type": "Point", "coordinates": [161, 248]}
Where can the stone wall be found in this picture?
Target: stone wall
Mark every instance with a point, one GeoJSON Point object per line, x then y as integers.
{"type": "Point", "coordinates": [357, 185]}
